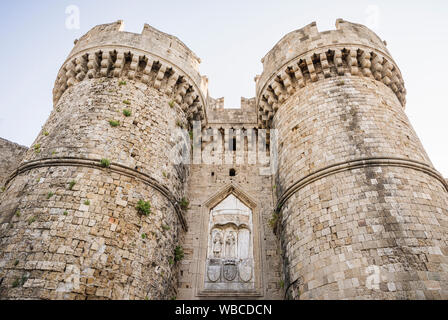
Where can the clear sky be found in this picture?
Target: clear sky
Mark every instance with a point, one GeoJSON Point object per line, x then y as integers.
{"type": "Point", "coordinates": [230, 37]}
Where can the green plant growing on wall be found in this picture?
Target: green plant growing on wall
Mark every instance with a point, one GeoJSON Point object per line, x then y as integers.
{"type": "Point", "coordinates": [178, 253]}
{"type": "Point", "coordinates": [184, 203]}
{"type": "Point", "coordinates": [2, 189]}
{"type": "Point", "coordinates": [127, 102]}
{"type": "Point", "coordinates": [122, 83]}
{"type": "Point", "coordinates": [16, 283]}
{"type": "Point", "coordinates": [65, 213]}
{"type": "Point", "coordinates": [282, 284]}
{"type": "Point", "coordinates": [50, 194]}
{"type": "Point", "coordinates": [114, 123]}
{"type": "Point", "coordinates": [87, 202]}
{"type": "Point", "coordinates": [37, 148]}
{"type": "Point", "coordinates": [164, 174]}
{"type": "Point", "coordinates": [31, 220]}
{"type": "Point", "coordinates": [274, 220]}
{"type": "Point", "coordinates": [171, 104]}
{"type": "Point", "coordinates": [165, 227]}
{"type": "Point", "coordinates": [18, 213]}
{"type": "Point", "coordinates": [16, 262]}
{"type": "Point", "coordinates": [46, 133]}
{"type": "Point", "coordinates": [19, 282]}
{"type": "Point", "coordinates": [170, 261]}
{"type": "Point", "coordinates": [127, 112]}
{"type": "Point", "coordinates": [71, 185]}
{"type": "Point", "coordinates": [144, 207]}
{"type": "Point", "coordinates": [144, 236]}
{"type": "Point", "coordinates": [105, 163]}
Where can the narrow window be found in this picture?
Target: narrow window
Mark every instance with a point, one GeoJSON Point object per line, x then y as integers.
{"type": "Point", "coordinates": [232, 145]}
{"type": "Point", "coordinates": [232, 173]}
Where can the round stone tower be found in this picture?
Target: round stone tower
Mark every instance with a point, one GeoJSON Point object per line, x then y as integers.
{"type": "Point", "coordinates": [362, 212]}
{"type": "Point", "coordinates": [95, 208]}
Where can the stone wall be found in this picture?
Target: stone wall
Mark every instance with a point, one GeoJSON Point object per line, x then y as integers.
{"type": "Point", "coordinates": [70, 227]}
{"type": "Point", "coordinates": [362, 210]}
{"type": "Point", "coordinates": [210, 183]}
{"type": "Point", "coordinates": [364, 198]}
{"type": "Point", "coordinates": [354, 208]}
{"type": "Point", "coordinates": [11, 154]}
{"type": "Point", "coordinates": [244, 117]}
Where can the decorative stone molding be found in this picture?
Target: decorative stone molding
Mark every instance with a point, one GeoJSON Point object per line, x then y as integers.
{"type": "Point", "coordinates": [95, 163]}
{"type": "Point", "coordinates": [153, 57]}
{"type": "Point", "coordinates": [306, 56]}
{"type": "Point", "coordinates": [356, 164]}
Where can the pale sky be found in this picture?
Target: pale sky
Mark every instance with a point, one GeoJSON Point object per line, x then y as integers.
{"type": "Point", "coordinates": [230, 37]}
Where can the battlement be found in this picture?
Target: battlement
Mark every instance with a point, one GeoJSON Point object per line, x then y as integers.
{"type": "Point", "coordinates": [153, 57]}
{"type": "Point", "coordinates": [307, 55]}
{"type": "Point", "coordinates": [309, 38]}
{"type": "Point", "coordinates": [244, 116]}
{"type": "Point", "coordinates": [164, 45]}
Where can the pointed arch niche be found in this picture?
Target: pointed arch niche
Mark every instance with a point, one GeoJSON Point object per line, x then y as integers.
{"type": "Point", "coordinates": [229, 263]}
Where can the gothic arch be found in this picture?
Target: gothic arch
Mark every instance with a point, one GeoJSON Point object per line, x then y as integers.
{"type": "Point", "coordinates": [230, 261]}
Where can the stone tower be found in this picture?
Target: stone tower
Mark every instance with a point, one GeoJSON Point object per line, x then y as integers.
{"type": "Point", "coordinates": [363, 213]}
{"type": "Point", "coordinates": [317, 188]}
{"type": "Point", "coordinates": [70, 224]}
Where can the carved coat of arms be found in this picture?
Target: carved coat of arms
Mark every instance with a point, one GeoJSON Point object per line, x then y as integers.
{"type": "Point", "coordinates": [214, 270]}
{"type": "Point", "coordinates": [230, 270]}
{"type": "Point", "coordinates": [245, 270]}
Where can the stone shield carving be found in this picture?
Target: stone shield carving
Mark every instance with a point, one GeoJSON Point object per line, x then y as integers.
{"type": "Point", "coordinates": [214, 270]}
{"type": "Point", "coordinates": [245, 270]}
{"type": "Point", "coordinates": [230, 270]}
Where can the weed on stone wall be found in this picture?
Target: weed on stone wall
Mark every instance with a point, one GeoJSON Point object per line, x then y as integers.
{"type": "Point", "coordinates": [144, 207]}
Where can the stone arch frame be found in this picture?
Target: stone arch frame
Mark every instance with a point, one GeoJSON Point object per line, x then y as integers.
{"type": "Point", "coordinates": [206, 208]}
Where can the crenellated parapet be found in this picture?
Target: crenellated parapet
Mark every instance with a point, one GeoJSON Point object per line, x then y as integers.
{"type": "Point", "coordinates": [245, 116]}
{"type": "Point", "coordinates": [152, 57]}
{"type": "Point", "coordinates": [306, 55]}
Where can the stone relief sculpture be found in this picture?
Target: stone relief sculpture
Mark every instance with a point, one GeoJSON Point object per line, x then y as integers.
{"type": "Point", "coordinates": [217, 244]}
{"type": "Point", "coordinates": [230, 260]}
{"type": "Point", "coordinates": [230, 245]}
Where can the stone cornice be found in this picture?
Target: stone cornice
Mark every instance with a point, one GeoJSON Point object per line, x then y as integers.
{"type": "Point", "coordinates": [322, 63]}
{"type": "Point", "coordinates": [133, 64]}
{"type": "Point", "coordinates": [95, 163]}
{"type": "Point", "coordinates": [356, 164]}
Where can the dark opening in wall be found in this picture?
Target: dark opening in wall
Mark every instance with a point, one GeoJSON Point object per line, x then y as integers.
{"type": "Point", "coordinates": [213, 174]}
{"type": "Point", "coordinates": [232, 172]}
{"type": "Point", "coordinates": [232, 143]}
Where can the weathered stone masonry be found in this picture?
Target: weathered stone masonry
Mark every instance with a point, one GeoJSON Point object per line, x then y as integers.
{"type": "Point", "coordinates": [363, 213]}
{"type": "Point", "coordinates": [10, 156]}
{"type": "Point", "coordinates": [358, 210]}
{"type": "Point", "coordinates": [88, 240]}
